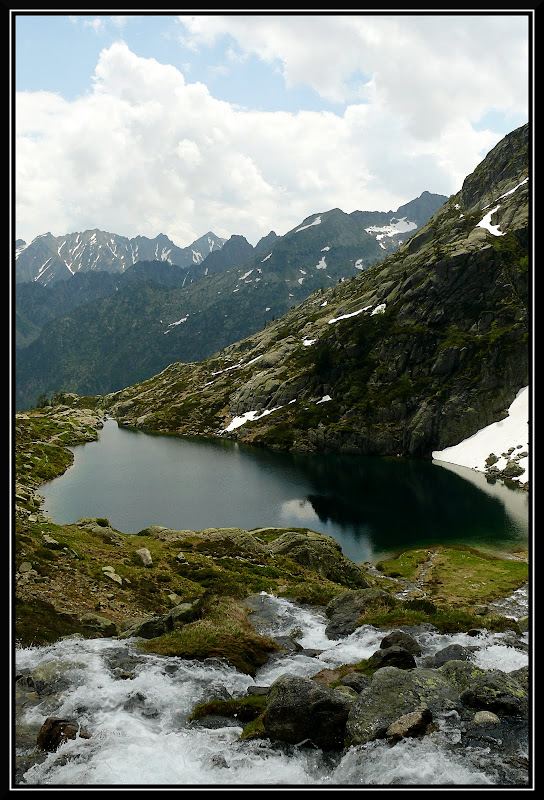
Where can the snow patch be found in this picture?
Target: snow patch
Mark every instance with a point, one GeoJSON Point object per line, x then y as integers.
{"type": "Point", "coordinates": [250, 416]}
{"type": "Point", "coordinates": [497, 438]}
{"type": "Point", "coordinates": [396, 226]}
{"type": "Point", "coordinates": [347, 316]}
{"type": "Point", "coordinates": [317, 221]}
{"type": "Point", "coordinates": [486, 223]}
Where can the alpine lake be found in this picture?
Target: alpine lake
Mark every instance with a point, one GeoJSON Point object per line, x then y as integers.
{"type": "Point", "coordinates": [373, 507]}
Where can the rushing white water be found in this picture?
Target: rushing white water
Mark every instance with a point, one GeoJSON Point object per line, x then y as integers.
{"type": "Point", "coordinates": [136, 708]}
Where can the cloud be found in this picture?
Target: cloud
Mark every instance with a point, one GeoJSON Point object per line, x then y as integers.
{"type": "Point", "coordinates": [432, 69]}
{"type": "Point", "coordinates": [147, 152]}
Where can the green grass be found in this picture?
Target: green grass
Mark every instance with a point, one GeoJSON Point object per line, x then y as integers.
{"type": "Point", "coordinates": [223, 632]}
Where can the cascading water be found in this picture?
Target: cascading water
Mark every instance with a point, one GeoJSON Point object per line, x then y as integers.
{"type": "Point", "coordinates": [136, 709]}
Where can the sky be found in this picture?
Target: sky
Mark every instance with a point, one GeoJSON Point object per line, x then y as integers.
{"type": "Point", "coordinates": [245, 123]}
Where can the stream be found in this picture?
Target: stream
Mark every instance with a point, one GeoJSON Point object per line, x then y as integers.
{"type": "Point", "coordinates": [136, 707]}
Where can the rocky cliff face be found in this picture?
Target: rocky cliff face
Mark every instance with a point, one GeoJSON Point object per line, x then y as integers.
{"type": "Point", "coordinates": [415, 354]}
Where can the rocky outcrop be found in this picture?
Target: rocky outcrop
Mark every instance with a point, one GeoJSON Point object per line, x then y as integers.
{"type": "Point", "coordinates": [320, 553]}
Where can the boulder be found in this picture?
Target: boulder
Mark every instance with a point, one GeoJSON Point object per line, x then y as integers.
{"type": "Point", "coordinates": [401, 639]}
{"type": "Point", "coordinates": [485, 718]}
{"type": "Point", "coordinates": [55, 731]}
{"type": "Point", "coordinates": [50, 543]}
{"type": "Point", "coordinates": [453, 652]}
{"type": "Point", "coordinates": [497, 692]}
{"type": "Point", "coordinates": [392, 657]}
{"type": "Point", "coordinates": [299, 710]}
{"type": "Point", "coordinates": [391, 694]}
{"type": "Point", "coordinates": [101, 626]}
{"type": "Point", "coordinates": [356, 680]}
{"type": "Point", "coordinates": [144, 556]}
{"type": "Point", "coordinates": [416, 723]}
{"type": "Point", "coordinates": [148, 628]}
{"type": "Point", "coordinates": [345, 610]}
{"type": "Point", "coordinates": [182, 613]}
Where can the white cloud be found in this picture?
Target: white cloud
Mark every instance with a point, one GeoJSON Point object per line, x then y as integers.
{"type": "Point", "coordinates": [147, 152]}
{"type": "Point", "coordinates": [430, 68]}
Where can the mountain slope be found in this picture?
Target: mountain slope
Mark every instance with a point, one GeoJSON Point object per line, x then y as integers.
{"type": "Point", "coordinates": [107, 345]}
{"type": "Point", "coordinates": [414, 355]}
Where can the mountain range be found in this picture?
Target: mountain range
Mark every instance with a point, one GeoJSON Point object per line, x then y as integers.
{"type": "Point", "coordinates": [411, 355]}
{"type": "Point", "coordinates": [48, 259]}
{"type": "Point", "coordinates": [91, 320]}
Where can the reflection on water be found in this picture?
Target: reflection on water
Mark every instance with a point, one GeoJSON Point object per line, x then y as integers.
{"type": "Point", "coordinates": [371, 506]}
{"type": "Point", "coordinates": [301, 510]}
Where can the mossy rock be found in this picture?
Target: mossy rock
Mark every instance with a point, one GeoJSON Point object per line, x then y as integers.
{"type": "Point", "coordinates": [222, 632]}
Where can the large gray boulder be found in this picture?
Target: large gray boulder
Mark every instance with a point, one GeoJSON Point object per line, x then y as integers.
{"type": "Point", "coordinates": [392, 693]}
{"type": "Point", "coordinates": [401, 639]}
{"type": "Point", "coordinates": [300, 710]}
{"type": "Point", "coordinates": [393, 656]}
{"type": "Point", "coordinates": [453, 652]}
{"type": "Point", "coordinates": [497, 692]}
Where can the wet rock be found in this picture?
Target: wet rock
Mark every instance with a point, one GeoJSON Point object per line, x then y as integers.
{"type": "Point", "coordinates": [522, 676]}
{"type": "Point", "coordinates": [416, 723]}
{"type": "Point", "coordinates": [55, 731]}
{"type": "Point", "coordinates": [498, 692]}
{"type": "Point", "coordinates": [401, 639]}
{"type": "Point", "coordinates": [287, 643]}
{"type": "Point", "coordinates": [392, 657]}
{"type": "Point", "coordinates": [391, 694]}
{"type": "Point", "coordinates": [216, 721]}
{"type": "Point", "coordinates": [453, 652]}
{"type": "Point", "coordinates": [299, 710]}
{"type": "Point", "coordinates": [485, 718]}
{"type": "Point", "coordinates": [257, 690]}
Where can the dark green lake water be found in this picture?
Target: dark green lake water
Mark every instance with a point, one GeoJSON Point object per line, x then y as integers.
{"type": "Point", "coordinates": [371, 506]}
